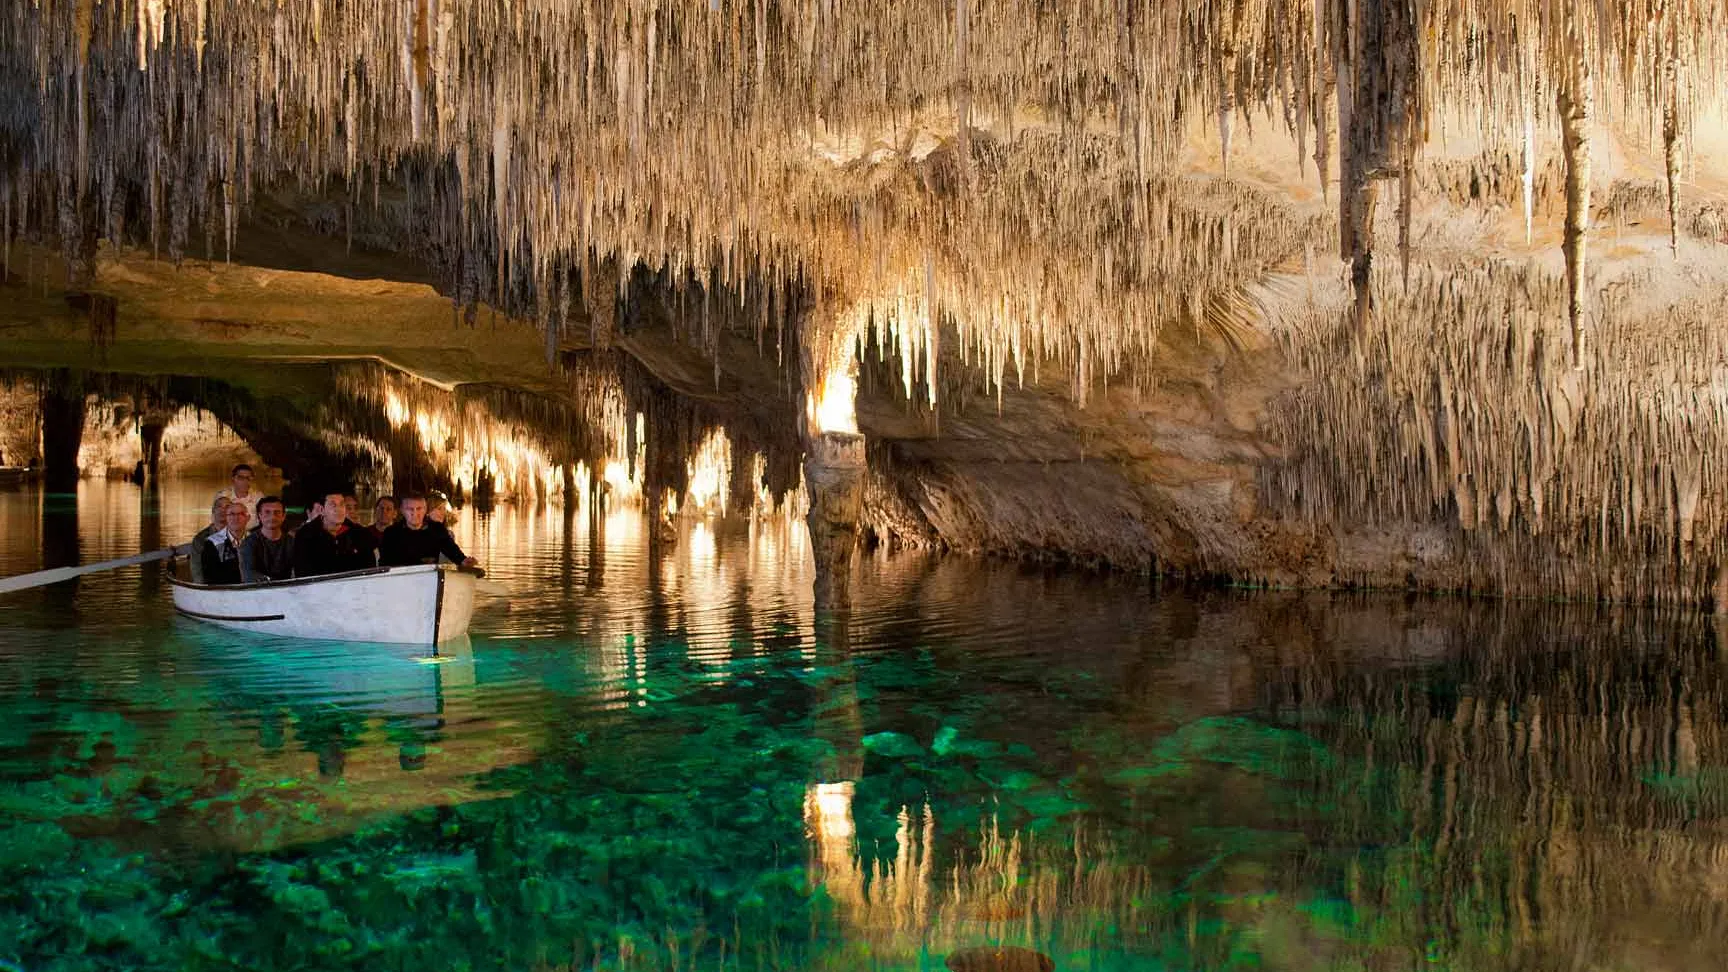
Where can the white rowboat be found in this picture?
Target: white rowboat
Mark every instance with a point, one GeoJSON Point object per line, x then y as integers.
{"type": "Point", "coordinates": [421, 605]}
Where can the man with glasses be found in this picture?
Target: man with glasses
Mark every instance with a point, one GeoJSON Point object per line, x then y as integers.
{"type": "Point", "coordinates": [221, 552]}
{"type": "Point", "coordinates": [241, 490]}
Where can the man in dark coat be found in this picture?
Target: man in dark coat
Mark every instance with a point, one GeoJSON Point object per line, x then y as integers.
{"type": "Point", "coordinates": [219, 555]}
{"type": "Point", "coordinates": [328, 546]}
{"type": "Point", "coordinates": [414, 539]}
{"type": "Point", "coordinates": [268, 552]}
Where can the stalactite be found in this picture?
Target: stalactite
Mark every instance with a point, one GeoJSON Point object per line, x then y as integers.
{"type": "Point", "coordinates": [1671, 132]}
{"type": "Point", "coordinates": [1574, 104]}
{"type": "Point", "coordinates": [1023, 160]}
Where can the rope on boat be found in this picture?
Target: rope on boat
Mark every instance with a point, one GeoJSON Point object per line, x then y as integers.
{"type": "Point", "coordinates": [24, 582]}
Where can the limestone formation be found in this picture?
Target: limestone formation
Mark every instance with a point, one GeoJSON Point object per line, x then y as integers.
{"type": "Point", "coordinates": [990, 195]}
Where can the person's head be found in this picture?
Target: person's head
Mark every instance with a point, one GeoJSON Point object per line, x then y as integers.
{"type": "Point", "coordinates": [271, 513]}
{"type": "Point", "coordinates": [414, 511]}
{"type": "Point", "coordinates": [334, 511]}
{"type": "Point", "coordinates": [384, 512]}
{"type": "Point", "coordinates": [437, 507]}
{"type": "Point", "coordinates": [242, 478]}
{"type": "Point", "coordinates": [350, 505]}
{"type": "Point", "coordinates": [236, 519]}
{"type": "Point", "coordinates": [219, 512]}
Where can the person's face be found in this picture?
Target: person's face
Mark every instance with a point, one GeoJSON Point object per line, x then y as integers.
{"type": "Point", "coordinates": [270, 517]}
{"type": "Point", "coordinates": [236, 518]}
{"type": "Point", "coordinates": [414, 511]}
{"type": "Point", "coordinates": [334, 511]}
{"type": "Point", "coordinates": [243, 482]}
{"type": "Point", "coordinates": [437, 514]}
{"type": "Point", "coordinates": [384, 514]}
{"type": "Point", "coordinates": [219, 514]}
{"type": "Point", "coordinates": [350, 506]}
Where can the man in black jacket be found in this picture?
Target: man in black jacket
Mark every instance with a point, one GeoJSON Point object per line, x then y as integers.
{"type": "Point", "coordinates": [416, 540]}
{"type": "Point", "coordinates": [268, 552]}
{"type": "Point", "coordinates": [219, 555]}
{"type": "Point", "coordinates": [328, 546]}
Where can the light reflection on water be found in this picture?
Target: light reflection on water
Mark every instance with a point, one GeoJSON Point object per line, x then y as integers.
{"type": "Point", "coordinates": [661, 756]}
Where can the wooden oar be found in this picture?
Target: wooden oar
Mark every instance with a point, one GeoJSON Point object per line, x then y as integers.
{"type": "Point", "coordinates": [24, 582]}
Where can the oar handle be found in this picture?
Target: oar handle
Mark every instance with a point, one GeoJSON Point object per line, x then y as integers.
{"type": "Point", "coordinates": [24, 582]}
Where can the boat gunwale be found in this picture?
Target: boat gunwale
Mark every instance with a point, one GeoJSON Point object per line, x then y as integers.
{"type": "Point", "coordinates": [302, 581]}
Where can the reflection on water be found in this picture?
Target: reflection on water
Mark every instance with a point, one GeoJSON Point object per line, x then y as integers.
{"type": "Point", "coordinates": [657, 756]}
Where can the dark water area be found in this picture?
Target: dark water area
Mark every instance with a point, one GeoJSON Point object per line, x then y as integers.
{"type": "Point", "coordinates": [658, 756]}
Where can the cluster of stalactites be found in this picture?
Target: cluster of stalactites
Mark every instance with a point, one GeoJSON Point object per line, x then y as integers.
{"type": "Point", "coordinates": [689, 135]}
{"type": "Point", "coordinates": [1462, 404]}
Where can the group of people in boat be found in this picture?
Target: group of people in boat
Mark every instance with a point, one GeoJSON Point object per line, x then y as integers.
{"type": "Point", "coordinates": [247, 541]}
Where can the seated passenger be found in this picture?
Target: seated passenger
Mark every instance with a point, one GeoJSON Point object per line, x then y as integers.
{"type": "Point", "coordinates": [414, 539]}
{"type": "Point", "coordinates": [383, 517]}
{"type": "Point", "coordinates": [221, 552]}
{"type": "Point", "coordinates": [267, 553]}
{"type": "Point", "coordinates": [218, 520]}
{"type": "Point", "coordinates": [239, 490]}
{"type": "Point", "coordinates": [362, 535]}
{"type": "Point", "coordinates": [438, 509]}
{"type": "Point", "coordinates": [327, 546]}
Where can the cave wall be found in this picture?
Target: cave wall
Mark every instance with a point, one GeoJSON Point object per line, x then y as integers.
{"type": "Point", "coordinates": [1452, 444]}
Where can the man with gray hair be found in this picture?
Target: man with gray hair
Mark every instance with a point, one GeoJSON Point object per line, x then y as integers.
{"type": "Point", "coordinates": [218, 511]}
{"type": "Point", "coordinates": [221, 552]}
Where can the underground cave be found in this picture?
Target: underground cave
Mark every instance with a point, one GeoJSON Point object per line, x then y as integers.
{"type": "Point", "coordinates": [909, 485]}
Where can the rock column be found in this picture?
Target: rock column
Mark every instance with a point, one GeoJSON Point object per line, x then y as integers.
{"type": "Point", "coordinates": [834, 475]}
{"type": "Point", "coordinates": [62, 431]}
{"type": "Point", "coordinates": [150, 433]}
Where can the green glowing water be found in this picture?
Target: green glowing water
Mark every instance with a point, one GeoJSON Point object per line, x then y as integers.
{"type": "Point", "coordinates": [664, 760]}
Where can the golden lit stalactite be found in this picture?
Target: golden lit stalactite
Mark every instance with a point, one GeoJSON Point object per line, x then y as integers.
{"type": "Point", "coordinates": [1574, 99]}
{"type": "Point", "coordinates": [1527, 149]}
{"type": "Point", "coordinates": [1230, 14]}
{"type": "Point", "coordinates": [1326, 79]}
{"type": "Point", "coordinates": [1668, 26]}
{"type": "Point", "coordinates": [676, 134]}
{"type": "Point", "coordinates": [829, 361]}
{"type": "Point", "coordinates": [1378, 123]}
{"type": "Point", "coordinates": [709, 474]}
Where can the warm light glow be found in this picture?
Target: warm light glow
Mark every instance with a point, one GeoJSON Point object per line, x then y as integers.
{"type": "Point", "coordinates": [710, 474]}
{"type": "Point", "coordinates": [832, 409]}
{"type": "Point", "coordinates": [472, 444]}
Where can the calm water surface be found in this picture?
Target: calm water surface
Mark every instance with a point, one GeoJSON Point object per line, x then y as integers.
{"type": "Point", "coordinates": [666, 761]}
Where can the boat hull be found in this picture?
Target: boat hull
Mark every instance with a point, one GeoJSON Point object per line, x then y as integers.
{"type": "Point", "coordinates": [421, 605]}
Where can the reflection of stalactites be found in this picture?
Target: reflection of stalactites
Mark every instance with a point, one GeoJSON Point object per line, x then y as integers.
{"type": "Point", "coordinates": [828, 816]}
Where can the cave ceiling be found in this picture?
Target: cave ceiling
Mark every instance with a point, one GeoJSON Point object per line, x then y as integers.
{"type": "Point", "coordinates": [1042, 184]}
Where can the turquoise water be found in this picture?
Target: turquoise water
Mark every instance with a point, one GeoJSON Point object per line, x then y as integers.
{"type": "Point", "coordinates": [663, 759]}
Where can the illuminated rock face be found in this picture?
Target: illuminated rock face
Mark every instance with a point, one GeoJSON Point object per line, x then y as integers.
{"type": "Point", "coordinates": [1103, 216]}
